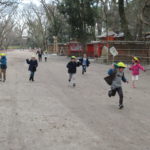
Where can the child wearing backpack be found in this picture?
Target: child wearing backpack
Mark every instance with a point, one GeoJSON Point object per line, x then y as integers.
{"type": "Point", "coordinates": [72, 69]}
{"type": "Point", "coordinates": [135, 68]}
{"type": "Point", "coordinates": [116, 76]}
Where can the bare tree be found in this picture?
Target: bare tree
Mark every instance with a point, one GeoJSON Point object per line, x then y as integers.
{"type": "Point", "coordinates": [6, 24]}
{"type": "Point", "coordinates": [145, 13]}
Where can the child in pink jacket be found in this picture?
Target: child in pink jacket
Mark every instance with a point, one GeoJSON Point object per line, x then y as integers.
{"type": "Point", "coordinates": [135, 68]}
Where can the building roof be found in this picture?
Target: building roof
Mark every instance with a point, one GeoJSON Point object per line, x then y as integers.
{"type": "Point", "coordinates": [111, 33]}
{"type": "Point", "coordinates": [105, 34]}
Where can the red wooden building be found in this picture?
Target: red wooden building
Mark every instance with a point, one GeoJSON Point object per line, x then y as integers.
{"type": "Point", "coordinates": [75, 48]}
{"type": "Point", "coordinates": [94, 49]}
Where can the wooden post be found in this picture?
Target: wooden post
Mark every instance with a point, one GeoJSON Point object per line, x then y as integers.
{"type": "Point", "coordinates": [55, 46]}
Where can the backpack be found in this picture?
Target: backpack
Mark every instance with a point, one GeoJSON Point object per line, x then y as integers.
{"type": "Point", "coordinates": [109, 79]}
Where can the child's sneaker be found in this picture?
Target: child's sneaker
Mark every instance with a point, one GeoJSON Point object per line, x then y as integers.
{"type": "Point", "coordinates": [121, 106]}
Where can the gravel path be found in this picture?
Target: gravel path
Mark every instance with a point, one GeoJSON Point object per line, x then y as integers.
{"type": "Point", "coordinates": [50, 115]}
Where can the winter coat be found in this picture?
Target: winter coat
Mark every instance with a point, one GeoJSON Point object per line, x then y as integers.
{"type": "Point", "coordinates": [87, 61]}
{"type": "Point", "coordinates": [72, 67]}
{"type": "Point", "coordinates": [118, 78]}
{"type": "Point", "coordinates": [3, 62]}
{"type": "Point", "coordinates": [33, 64]}
{"type": "Point", "coordinates": [135, 68]}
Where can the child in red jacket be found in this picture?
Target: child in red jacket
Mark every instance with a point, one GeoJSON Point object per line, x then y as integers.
{"type": "Point", "coordinates": [135, 68]}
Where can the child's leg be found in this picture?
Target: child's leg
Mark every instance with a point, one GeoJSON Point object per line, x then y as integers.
{"type": "Point", "coordinates": [73, 80]}
{"type": "Point", "coordinates": [112, 92]}
{"type": "Point", "coordinates": [133, 81]}
{"type": "Point", "coordinates": [120, 93]}
{"type": "Point", "coordinates": [45, 59]}
{"type": "Point", "coordinates": [33, 75]}
{"type": "Point", "coordinates": [4, 74]}
{"type": "Point", "coordinates": [82, 69]}
{"type": "Point", "coordinates": [0, 74]}
{"type": "Point", "coordinates": [85, 68]}
{"type": "Point", "coordinates": [70, 77]}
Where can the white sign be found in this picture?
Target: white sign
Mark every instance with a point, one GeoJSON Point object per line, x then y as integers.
{"type": "Point", "coordinates": [113, 51]}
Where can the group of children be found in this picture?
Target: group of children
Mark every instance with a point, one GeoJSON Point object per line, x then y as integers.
{"type": "Point", "coordinates": [72, 67]}
{"type": "Point", "coordinates": [114, 79]}
{"type": "Point", "coordinates": [40, 54]}
{"type": "Point", "coordinates": [116, 76]}
{"type": "Point", "coordinates": [3, 67]}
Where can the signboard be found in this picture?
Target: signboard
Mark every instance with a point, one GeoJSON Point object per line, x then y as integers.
{"type": "Point", "coordinates": [113, 51]}
{"type": "Point", "coordinates": [75, 47]}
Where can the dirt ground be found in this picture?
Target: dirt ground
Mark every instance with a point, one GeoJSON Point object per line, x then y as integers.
{"type": "Point", "coordinates": [50, 115]}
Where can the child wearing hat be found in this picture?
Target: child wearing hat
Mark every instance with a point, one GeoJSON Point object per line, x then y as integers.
{"type": "Point", "coordinates": [3, 67]}
{"type": "Point", "coordinates": [135, 68]}
{"type": "Point", "coordinates": [116, 86]}
{"type": "Point", "coordinates": [72, 69]}
{"type": "Point", "coordinates": [33, 64]}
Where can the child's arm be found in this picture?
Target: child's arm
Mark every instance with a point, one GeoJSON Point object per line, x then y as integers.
{"type": "Point", "coordinates": [78, 63]}
{"type": "Point", "coordinates": [131, 67]}
{"type": "Point", "coordinates": [124, 79]}
{"type": "Point", "coordinates": [88, 62]}
{"type": "Point", "coordinates": [68, 65]}
{"type": "Point", "coordinates": [27, 60]}
{"type": "Point", "coordinates": [110, 72]}
{"type": "Point", "coordinates": [141, 67]}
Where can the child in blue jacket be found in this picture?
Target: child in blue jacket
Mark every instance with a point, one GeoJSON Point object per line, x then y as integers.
{"type": "Point", "coordinates": [3, 67]}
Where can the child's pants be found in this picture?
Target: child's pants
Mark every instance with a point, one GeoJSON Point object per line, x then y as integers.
{"type": "Point", "coordinates": [120, 93]}
{"type": "Point", "coordinates": [45, 59]}
{"type": "Point", "coordinates": [83, 68]}
{"type": "Point", "coordinates": [3, 74]}
{"type": "Point", "coordinates": [135, 78]}
{"type": "Point", "coordinates": [72, 77]}
{"type": "Point", "coordinates": [32, 76]}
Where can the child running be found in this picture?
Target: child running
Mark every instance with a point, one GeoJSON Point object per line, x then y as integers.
{"type": "Point", "coordinates": [72, 69]}
{"type": "Point", "coordinates": [85, 63]}
{"type": "Point", "coordinates": [117, 73]}
{"type": "Point", "coordinates": [135, 68]}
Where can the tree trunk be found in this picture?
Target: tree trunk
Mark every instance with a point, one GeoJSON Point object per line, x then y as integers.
{"type": "Point", "coordinates": [124, 23]}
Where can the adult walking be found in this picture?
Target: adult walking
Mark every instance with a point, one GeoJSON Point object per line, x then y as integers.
{"type": "Point", "coordinates": [33, 64]}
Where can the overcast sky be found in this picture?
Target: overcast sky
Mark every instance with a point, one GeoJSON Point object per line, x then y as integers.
{"type": "Point", "coordinates": [37, 2]}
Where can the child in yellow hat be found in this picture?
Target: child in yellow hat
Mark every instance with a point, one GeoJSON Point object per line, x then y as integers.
{"type": "Point", "coordinates": [135, 68]}
{"type": "Point", "coordinates": [117, 76]}
{"type": "Point", "coordinates": [72, 69]}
